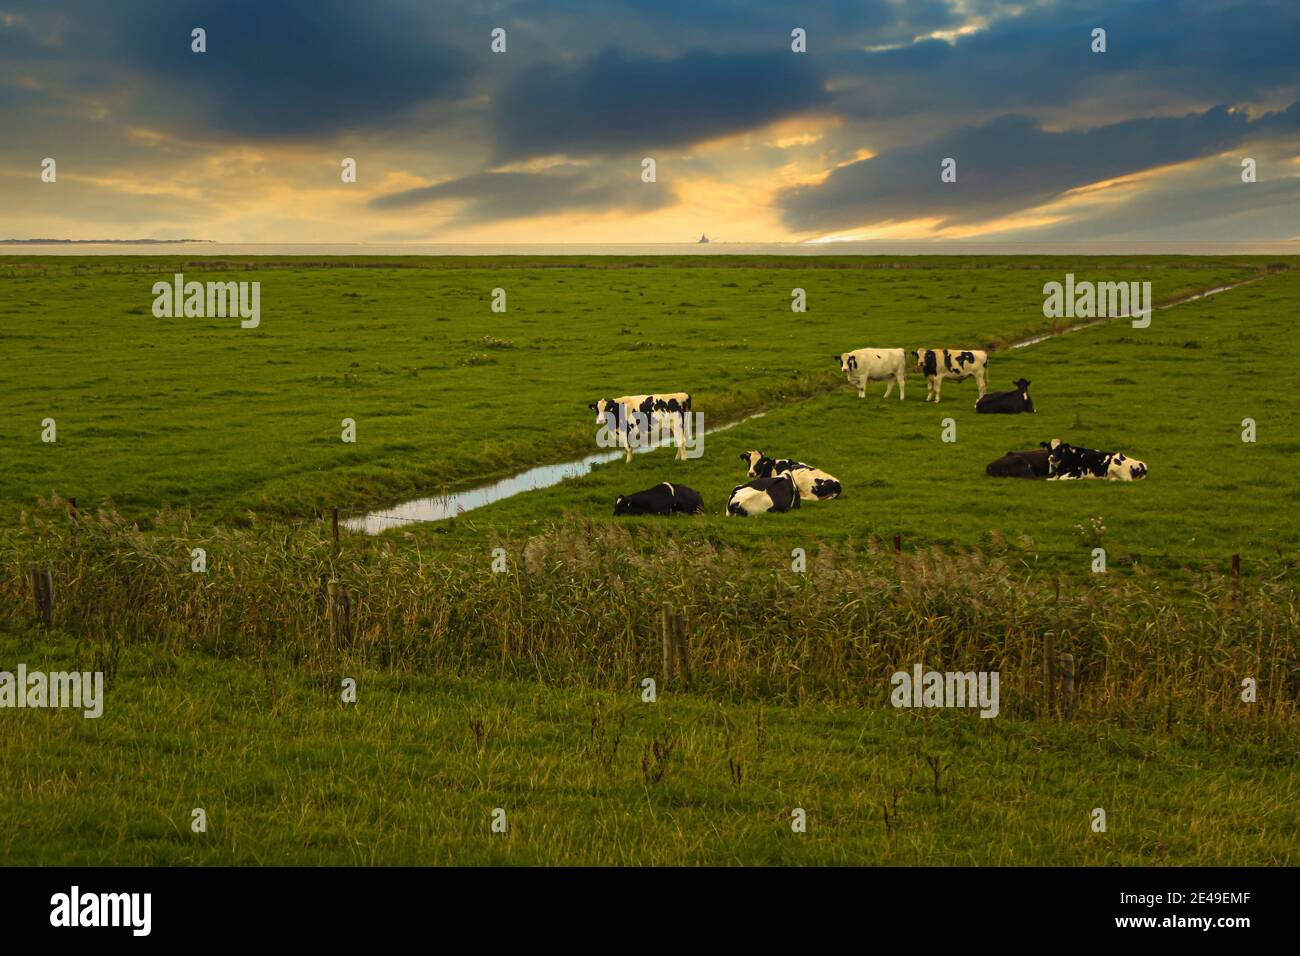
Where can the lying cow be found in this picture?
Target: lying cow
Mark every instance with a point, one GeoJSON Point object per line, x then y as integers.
{"type": "Point", "coordinates": [1020, 464]}
{"type": "Point", "coordinates": [662, 499]}
{"type": "Point", "coordinates": [813, 483]}
{"type": "Point", "coordinates": [763, 494]}
{"type": "Point", "coordinates": [938, 364]}
{"type": "Point", "coordinates": [1007, 403]}
{"type": "Point", "coordinates": [1066, 462]}
{"type": "Point", "coordinates": [628, 414]}
{"type": "Point", "coordinates": [863, 366]}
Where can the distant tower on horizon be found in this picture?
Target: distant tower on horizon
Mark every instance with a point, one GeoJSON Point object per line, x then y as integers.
{"type": "Point", "coordinates": [703, 238]}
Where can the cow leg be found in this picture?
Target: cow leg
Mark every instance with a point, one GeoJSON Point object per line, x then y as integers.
{"type": "Point", "coordinates": [902, 385]}
{"type": "Point", "coordinates": [980, 380]}
{"type": "Point", "coordinates": [678, 425]}
{"type": "Point", "coordinates": [889, 388]}
{"type": "Point", "coordinates": [938, 384]}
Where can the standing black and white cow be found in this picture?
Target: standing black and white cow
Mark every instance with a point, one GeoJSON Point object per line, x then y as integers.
{"type": "Point", "coordinates": [1066, 463]}
{"type": "Point", "coordinates": [761, 495]}
{"type": "Point", "coordinates": [863, 366]}
{"type": "Point", "coordinates": [1007, 403]}
{"type": "Point", "coordinates": [813, 483]}
{"type": "Point", "coordinates": [939, 364]}
{"type": "Point", "coordinates": [662, 499]}
{"type": "Point", "coordinates": [627, 415]}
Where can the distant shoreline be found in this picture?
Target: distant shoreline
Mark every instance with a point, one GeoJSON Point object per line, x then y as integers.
{"type": "Point", "coordinates": [208, 248]}
{"type": "Point", "coordinates": [102, 242]}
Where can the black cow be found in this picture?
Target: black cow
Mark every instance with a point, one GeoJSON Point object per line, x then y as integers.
{"type": "Point", "coordinates": [1020, 464]}
{"type": "Point", "coordinates": [1007, 403]}
{"type": "Point", "coordinates": [763, 494]}
{"type": "Point", "coordinates": [1067, 462]}
{"type": "Point", "coordinates": [662, 499]}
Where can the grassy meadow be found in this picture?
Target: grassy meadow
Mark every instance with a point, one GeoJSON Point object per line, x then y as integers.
{"type": "Point", "coordinates": [204, 415]}
{"type": "Point", "coordinates": [411, 774]}
{"type": "Point", "coordinates": [522, 690]}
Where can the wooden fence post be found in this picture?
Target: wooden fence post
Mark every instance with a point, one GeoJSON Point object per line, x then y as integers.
{"type": "Point", "coordinates": [1049, 673]}
{"type": "Point", "coordinates": [683, 655]}
{"type": "Point", "coordinates": [668, 648]}
{"type": "Point", "coordinates": [340, 608]}
{"type": "Point", "coordinates": [1067, 683]}
{"type": "Point", "coordinates": [43, 594]}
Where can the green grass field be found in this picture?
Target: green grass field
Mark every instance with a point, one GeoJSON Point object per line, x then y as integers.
{"type": "Point", "coordinates": [412, 773]}
{"type": "Point", "coordinates": [507, 691]}
{"type": "Point", "coordinates": [202, 414]}
{"type": "Point", "coordinates": [1173, 395]}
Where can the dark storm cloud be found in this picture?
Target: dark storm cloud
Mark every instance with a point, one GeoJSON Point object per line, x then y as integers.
{"type": "Point", "coordinates": [1012, 164]}
{"type": "Point", "coordinates": [728, 25]}
{"type": "Point", "coordinates": [283, 70]}
{"type": "Point", "coordinates": [614, 103]}
{"type": "Point", "coordinates": [518, 195]}
{"type": "Point", "coordinates": [289, 70]}
{"type": "Point", "coordinates": [1162, 51]}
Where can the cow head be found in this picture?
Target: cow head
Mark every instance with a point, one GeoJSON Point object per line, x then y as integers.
{"type": "Point", "coordinates": [926, 361]}
{"type": "Point", "coordinates": [760, 465]}
{"type": "Point", "coordinates": [848, 362]}
{"type": "Point", "coordinates": [622, 506]}
{"type": "Point", "coordinates": [1057, 451]}
{"type": "Point", "coordinates": [603, 408]}
{"type": "Point", "coordinates": [1023, 385]}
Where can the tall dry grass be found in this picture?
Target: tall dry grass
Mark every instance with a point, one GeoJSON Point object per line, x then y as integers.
{"type": "Point", "coordinates": [580, 605]}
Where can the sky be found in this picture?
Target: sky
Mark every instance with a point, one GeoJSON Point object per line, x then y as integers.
{"type": "Point", "coordinates": [751, 140]}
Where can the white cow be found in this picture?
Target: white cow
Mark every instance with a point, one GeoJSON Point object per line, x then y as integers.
{"type": "Point", "coordinates": [863, 366]}
{"type": "Point", "coordinates": [628, 415]}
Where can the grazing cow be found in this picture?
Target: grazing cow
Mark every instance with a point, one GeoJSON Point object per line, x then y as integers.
{"type": "Point", "coordinates": [763, 494]}
{"type": "Point", "coordinates": [1007, 403]}
{"type": "Point", "coordinates": [938, 364]}
{"type": "Point", "coordinates": [1066, 462]}
{"type": "Point", "coordinates": [668, 410]}
{"type": "Point", "coordinates": [662, 499]}
{"type": "Point", "coordinates": [863, 366]}
{"type": "Point", "coordinates": [813, 483]}
{"type": "Point", "coordinates": [1020, 464]}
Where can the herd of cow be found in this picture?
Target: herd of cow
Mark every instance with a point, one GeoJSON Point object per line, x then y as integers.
{"type": "Point", "coordinates": [780, 484]}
